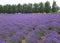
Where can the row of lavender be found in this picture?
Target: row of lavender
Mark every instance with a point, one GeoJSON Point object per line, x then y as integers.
{"type": "Point", "coordinates": [31, 28]}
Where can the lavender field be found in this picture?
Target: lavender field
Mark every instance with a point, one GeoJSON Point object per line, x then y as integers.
{"type": "Point", "coordinates": [29, 28]}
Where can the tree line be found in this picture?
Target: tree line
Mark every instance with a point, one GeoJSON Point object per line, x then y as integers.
{"type": "Point", "coordinates": [30, 8]}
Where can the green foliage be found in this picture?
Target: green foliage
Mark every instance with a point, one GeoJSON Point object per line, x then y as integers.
{"type": "Point", "coordinates": [3, 36]}
{"type": "Point", "coordinates": [1, 8]}
{"type": "Point", "coordinates": [13, 41]}
{"type": "Point", "coordinates": [4, 9]}
{"type": "Point", "coordinates": [55, 8]}
{"type": "Point", "coordinates": [30, 8]}
{"type": "Point", "coordinates": [13, 9]}
{"type": "Point", "coordinates": [19, 8]}
{"type": "Point", "coordinates": [31, 41]}
{"type": "Point", "coordinates": [8, 8]}
{"type": "Point", "coordinates": [41, 7]}
{"type": "Point", "coordinates": [47, 7]}
{"type": "Point", "coordinates": [12, 33]}
{"type": "Point", "coordinates": [24, 8]}
{"type": "Point", "coordinates": [54, 28]}
{"type": "Point", "coordinates": [35, 8]}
